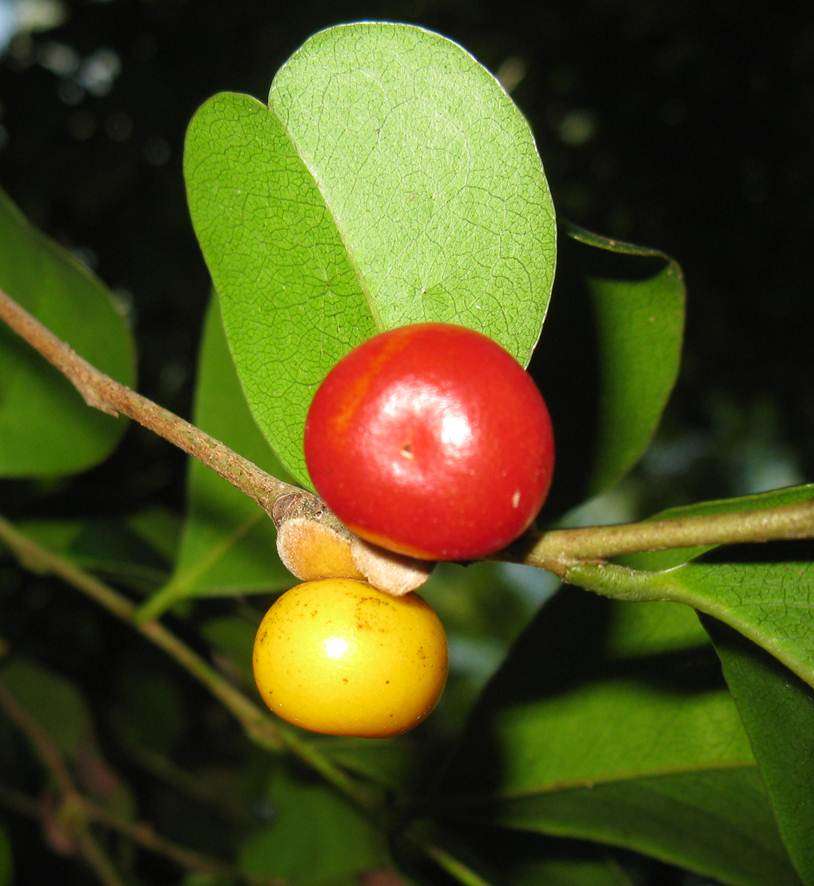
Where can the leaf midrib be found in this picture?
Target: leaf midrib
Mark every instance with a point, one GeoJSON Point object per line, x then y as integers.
{"type": "Point", "coordinates": [360, 278]}
{"type": "Point", "coordinates": [580, 784]}
{"type": "Point", "coordinates": [184, 581]}
{"type": "Point", "coordinates": [676, 591]}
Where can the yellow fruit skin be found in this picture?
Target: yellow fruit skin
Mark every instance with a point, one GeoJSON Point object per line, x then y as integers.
{"type": "Point", "coordinates": [339, 657]}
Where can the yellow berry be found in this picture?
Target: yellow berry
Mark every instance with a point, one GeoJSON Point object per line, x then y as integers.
{"type": "Point", "coordinates": [338, 656]}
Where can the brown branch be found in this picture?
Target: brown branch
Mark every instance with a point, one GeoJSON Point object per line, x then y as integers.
{"type": "Point", "coordinates": [139, 832]}
{"type": "Point", "coordinates": [51, 758]}
{"type": "Point", "coordinates": [42, 743]}
{"type": "Point", "coordinates": [106, 394]}
{"type": "Point", "coordinates": [280, 500]}
{"type": "Point", "coordinates": [257, 725]}
{"type": "Point", "coordinates": [260, 728]}
{"type": "Point", "coordinates": [145, 836]}
{"type": "Point", "coordinates": [559, 549]}
{"type": "Point", "coordinates": [555, 550]}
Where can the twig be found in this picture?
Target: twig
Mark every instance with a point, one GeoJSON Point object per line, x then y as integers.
{"type": "Point", "coordinates": [139, 832]}
{"type": "Point", "coordinates": [185, 781]}
{"type": "Point", "coordinates": [51, 758]}
{"type": "Point", "coordinates": [555, 550]}
{"type": "Point", "coordinates": [144, 835]}
{"type": "Point", "coordinates": [42, 743]}
{"type": "Point", "coordinates": [104, 393]}
{"type": "Point", "coordinates": [259, 727]}
{"type": "Point", "coordinates": [443, 857]}
{"type": "Point", "coordinates": [98, 859]}
{"type": "Point", "coordinates": [561, 548]}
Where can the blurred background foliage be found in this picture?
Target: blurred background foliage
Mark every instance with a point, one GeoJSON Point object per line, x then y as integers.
{"type": "Point", "coordinates": [681, 126]}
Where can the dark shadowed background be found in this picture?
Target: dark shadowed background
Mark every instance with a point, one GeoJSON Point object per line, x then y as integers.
{"type": "Point", "coordinates": [687, 127]}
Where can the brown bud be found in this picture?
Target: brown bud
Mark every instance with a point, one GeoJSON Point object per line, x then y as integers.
{"type": "Point", "coordinates": [312, 549]}
{"type": "Point", "coordinates": [393, 573]}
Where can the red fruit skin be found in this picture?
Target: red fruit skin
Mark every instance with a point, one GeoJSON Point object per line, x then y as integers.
{"type": "Point", "coordinates": [431, 440]}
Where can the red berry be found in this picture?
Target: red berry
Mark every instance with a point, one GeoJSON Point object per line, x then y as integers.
{"type": "Point", "coordinates": [431, 440]}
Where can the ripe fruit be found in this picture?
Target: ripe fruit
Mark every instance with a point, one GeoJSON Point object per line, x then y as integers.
{"type": "Point", "coordinates": [432, 441]}
{"type": "Point", "coordinates": [339, 657]}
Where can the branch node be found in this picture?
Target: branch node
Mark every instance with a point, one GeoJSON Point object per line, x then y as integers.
{"type": "Point", "coordinates": [95, 400]}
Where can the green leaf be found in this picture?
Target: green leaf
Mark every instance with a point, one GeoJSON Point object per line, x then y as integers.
{"type": "Point", "coordinates": [620, 307]}
{"type": "Point", "coordinates": [148, 710]}
{"type": "Point", "coordinates": [159, 528]}
{"type": "Point", "coordinates": [716, 823]}
{"type": "Point", "coordinates": [484, 607]}
{"type": "Point", "coordinates": [45, 426]}
{"type": "Point", "coordinates": [609, 722]}
{"type": "Point", "coordinates": [6, 860]}
{"type": "Point", "coordinates": [770, 603]}
{"type": "Point", "coordinates": [52, 701]}
{"type": "Point", "coordinates": [316, 837]}
{"type": "Point", "coordinates": [113, 547]}
{"type": "Point", "coordinates": [210, 880]}
{"type": "Point", "coordinates": [514, 858]}
{"type": "Point", "coordinates": [570, 872]}
{"type": "Point", "coordinates": [228, 545]}
{"type": "Point", "coordinates": [660, 560]}
{"type": "Point", "coordinates": [388, 762]}
{"type": "Point", "coordinates": [389, 181]}
{"type": "Point", "coordinates": [232, 639]}
{"type": "Point", "coordinates": [777, 711]}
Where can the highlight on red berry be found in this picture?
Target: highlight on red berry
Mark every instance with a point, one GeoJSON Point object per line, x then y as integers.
{"type": "Point", "coordinates": [432, 441]}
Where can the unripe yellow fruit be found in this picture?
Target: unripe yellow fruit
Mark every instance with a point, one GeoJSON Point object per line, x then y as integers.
{"type": "Point", "coordinates": [339, 657]}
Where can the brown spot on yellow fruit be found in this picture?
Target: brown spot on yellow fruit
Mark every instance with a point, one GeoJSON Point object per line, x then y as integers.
{"type": "Point", "coordinates": [328, 674]}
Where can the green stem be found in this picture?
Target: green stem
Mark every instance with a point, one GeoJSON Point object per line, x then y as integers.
{"type": "Point", "coordinates": [32, 555]}
{"type": "Point", "coordinates": [98, 859]}
{"type": "Point", "coordinates": [560, 549]}
{"type": "Point", "coordinates": [453, 866]}
{"type": "Point", "coordinates": [556, 550]}
{"type": "Point", "coordinates": [367, 800]}
{"type": "Point", "coordinates": [179, 585]}
{"type": "Point", "coordinates": [144, 836]}
{"type": "Point", "coordinates": [51, 758]}
{"type": "Point", "coordinates": [259, 727]}
{"type": "Point", "coordinates": [620, 582]}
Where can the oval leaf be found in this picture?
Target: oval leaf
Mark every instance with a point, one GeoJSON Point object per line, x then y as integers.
{"type": "Point", "coordinates": [114, 547]}
{"type": "Point", "coordinates": [777, 711]}
{"type": "Point", "coordinates": [617, 324]}
{"type": "Point", "coordinates": [46, 428]}
{"type": "Point", "coordinates": [610, 722]}
{"type": "Point", "coordinates": [316, 837]}
{"type": "Point", "coordinates": [54, 702]}
{"type": "Point", "coordinates": [390, 180]}
{"type": "Point", "coordinates": [770, 603]}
